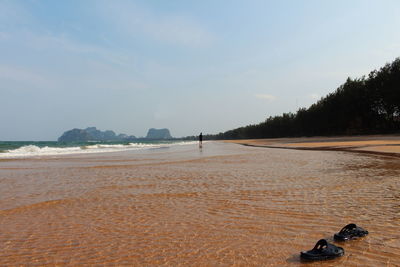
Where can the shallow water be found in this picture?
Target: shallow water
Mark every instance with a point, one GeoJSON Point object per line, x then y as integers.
{"type": "Point", "coordinates": [227, 205]}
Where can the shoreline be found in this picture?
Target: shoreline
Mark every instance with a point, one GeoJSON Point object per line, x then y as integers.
{"type": "Point", "coordinates": [384, 145]}
{"type": "Point", "coordinates": [222, 205]}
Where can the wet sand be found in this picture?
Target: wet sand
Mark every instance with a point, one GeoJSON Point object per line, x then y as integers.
{"type": "Point", "coordinates": [226, 205]}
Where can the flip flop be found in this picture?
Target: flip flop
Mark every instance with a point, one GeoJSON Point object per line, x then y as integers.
{"type": "Point", "coordinates": [350, 231]}
{"type": "Point", "coordinates": [322, 251]}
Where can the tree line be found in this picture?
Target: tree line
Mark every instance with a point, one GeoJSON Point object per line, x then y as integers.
{"type": "Point", "coordinates": [366, 105]}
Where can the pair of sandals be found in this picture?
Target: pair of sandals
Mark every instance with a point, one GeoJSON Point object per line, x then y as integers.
{"type": "Point", "coordinates": [324, 250]}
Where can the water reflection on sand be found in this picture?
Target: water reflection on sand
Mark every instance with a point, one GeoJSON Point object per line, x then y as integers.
{"type": "Point", "coordinates": [225, 205]}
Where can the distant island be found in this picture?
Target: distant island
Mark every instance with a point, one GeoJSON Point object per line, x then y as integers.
{"type": "Point", "coordinates": [93, 134]}
{"type": "Point", "coordinates": [158, 134]}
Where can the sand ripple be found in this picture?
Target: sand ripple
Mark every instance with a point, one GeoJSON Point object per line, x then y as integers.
{"type": "Point", "coordinates": [251, 206]}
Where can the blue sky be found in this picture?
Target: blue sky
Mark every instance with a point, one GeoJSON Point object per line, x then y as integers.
{"type": "Point", "coordinates": [189, 66]}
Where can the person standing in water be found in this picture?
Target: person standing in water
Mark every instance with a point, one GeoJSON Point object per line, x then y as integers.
{"type": "Point", "coordinates": [201, 140]}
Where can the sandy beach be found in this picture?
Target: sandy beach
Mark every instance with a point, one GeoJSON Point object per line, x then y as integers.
{"type": "Point", "coordinates": [373, 144]}
{"type": "Point", "coordinates": [224, 205]}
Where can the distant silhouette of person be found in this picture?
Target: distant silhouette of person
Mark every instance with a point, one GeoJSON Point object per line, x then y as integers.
{"type": "Point", "coordinates": [201, 140]}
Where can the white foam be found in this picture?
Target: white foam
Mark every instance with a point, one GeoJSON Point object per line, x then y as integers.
{"type": "Point", "coordinates": [32, 150]}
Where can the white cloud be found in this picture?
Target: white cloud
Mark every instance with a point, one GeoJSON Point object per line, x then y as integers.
{"type": "Point", "coordinates": [63, 45]}
{"type": "Point", "coordinates": [21, 76]}
{"type": "Point", "coordinates": [132, 20]}
{"type": "Point", "coordinates": [98, 67]}
{"type": "Point", "coordinates": [12, 12]}
{"type": "Point", "coordinates": [314, 96]}
{"type": "Point", "coordinates": [59, 42]}
{"type": "Point", "coordinates": [266, 96]}
{"type": "Point", "coordinates": [4, 36]}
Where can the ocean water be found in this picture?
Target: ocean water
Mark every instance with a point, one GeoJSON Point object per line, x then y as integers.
{"type": "Point", "coordinates": [22, 149]}
{"type": "Point", "coordinates": [222, 205]}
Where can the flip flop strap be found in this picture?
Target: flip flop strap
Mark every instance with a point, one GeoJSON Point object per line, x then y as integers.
{"type": "Point", "coordinates": [348, 228]}
{"type": "Point", "coordinates": [320, 244]}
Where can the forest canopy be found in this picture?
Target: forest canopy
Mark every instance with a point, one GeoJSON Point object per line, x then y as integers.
{"type": "Point", "coordinates": [366, 105]}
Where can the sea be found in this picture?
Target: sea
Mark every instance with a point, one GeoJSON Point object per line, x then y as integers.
{"type": "Point", "coordinates": [168, 204]}
{"type": "Point", "coordinates": [23, 149]}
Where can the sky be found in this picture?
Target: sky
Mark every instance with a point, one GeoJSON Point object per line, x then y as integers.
{"type": "Point", "coordinates": [190, 66]}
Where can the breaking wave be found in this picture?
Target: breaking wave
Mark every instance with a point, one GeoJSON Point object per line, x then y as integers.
{"type": "Point", "coordinates": [33, 150]}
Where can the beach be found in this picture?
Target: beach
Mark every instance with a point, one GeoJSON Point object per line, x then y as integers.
{"type": "Point", "coordinates": [373, 144]}
{"type": "Point", "coordinates": [228, 204]}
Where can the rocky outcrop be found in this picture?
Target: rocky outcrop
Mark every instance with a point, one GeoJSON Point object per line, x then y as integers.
{"type": "Point", "coordinates": [93, 134]}
{"type": "Point", "coordinates": [102, 136]}
{"type": "Point", "coordinates": [158, 134]}
{"type": "Point", "coordinates": [75, 135]}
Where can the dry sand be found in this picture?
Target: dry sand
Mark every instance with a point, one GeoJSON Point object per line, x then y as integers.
{"type": "Point", "coordinates": [374, 144]}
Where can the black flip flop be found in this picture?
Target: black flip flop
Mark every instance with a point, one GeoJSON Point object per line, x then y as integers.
{"type": "Point", "coordinates": [322, 251]}
{"type": "Point", "coordinates": [350, 231]}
